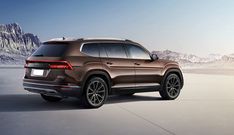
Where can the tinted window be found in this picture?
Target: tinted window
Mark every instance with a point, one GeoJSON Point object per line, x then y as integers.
{"type": "Point", "coordinates": [137, 52]}
{"type": "Point", "coordinates": [114, 50]}
{"type": "Point", "coordinates": [91, 49]}
{"type": "Point", "coordinates": [102, 50]}
{"type": "Point", "coordinates": [50, 50]}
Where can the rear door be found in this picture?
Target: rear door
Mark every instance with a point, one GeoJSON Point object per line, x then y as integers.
{"type": "Point", "coordinates": [116, 62]}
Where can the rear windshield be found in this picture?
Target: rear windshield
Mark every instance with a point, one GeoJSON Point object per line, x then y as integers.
{"type": "Point", "coordinates": [50, 50]}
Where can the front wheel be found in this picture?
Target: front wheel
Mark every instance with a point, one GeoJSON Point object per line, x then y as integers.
{"type": "Point", "coordinates": [171, 87]}
{"type": "Point", "coordinates": [95, 93]}
{"type": "Point", "coordinates": [51, 98]}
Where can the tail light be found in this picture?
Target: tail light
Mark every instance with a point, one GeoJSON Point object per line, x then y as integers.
{"type": "Point", "coordinates": [60, 65]}
{"type": "Point", "coordinates": [51, 64]}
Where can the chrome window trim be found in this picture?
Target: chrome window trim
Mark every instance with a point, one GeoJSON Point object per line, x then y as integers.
{"type": "Point", "coordinates": [125, 48]}
{"type": "Point", "coordinates": [92, 42]}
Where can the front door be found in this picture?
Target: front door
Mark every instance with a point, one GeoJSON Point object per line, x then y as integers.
{"type": "Point", "coordinates": [147, 74]}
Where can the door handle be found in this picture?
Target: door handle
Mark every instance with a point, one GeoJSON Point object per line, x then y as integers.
{"type": "Point", "coordinates": [137, 64]}
{"type": "Point", "coordinates": [109, 63]}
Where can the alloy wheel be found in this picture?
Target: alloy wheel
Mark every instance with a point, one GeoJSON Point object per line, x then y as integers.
{"type": "Point", "coordinates": [173, 86]}
{"type": "Point", "coordinates": [96, 92]}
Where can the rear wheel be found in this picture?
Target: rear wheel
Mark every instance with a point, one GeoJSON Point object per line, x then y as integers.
{"type": "Point", "coordinates": [96, 92]}
{"type": "Point", "coordinates": [51, 98]}
{"type": "Point", "coordinates": [171, 87]}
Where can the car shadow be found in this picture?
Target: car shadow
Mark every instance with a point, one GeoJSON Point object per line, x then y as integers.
{"type": "Point", "coordinates": [33, 102]}
{"type": "Point", "coordinates": [134, 98]}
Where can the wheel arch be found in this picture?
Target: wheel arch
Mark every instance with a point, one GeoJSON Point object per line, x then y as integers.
{"type": "Point", "coordinates": [176, 71]}
{"type": "Point", "coordinates": [97, 73]}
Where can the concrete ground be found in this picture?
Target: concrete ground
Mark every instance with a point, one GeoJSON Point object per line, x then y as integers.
{"type": "Point", "coordinates": [205, 107]}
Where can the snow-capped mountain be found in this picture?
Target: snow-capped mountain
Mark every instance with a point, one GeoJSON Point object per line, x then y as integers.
{"type": "Point", "coordinates": [228, 57]}
{"type": "Point", "coordinates": [190, 60]}
{"type": "Point", "coordinates": [213, 57]}
{"type": "Point", "coordinates": [15, 45]}
{"type": "Point", "coordinates": [181, 57]}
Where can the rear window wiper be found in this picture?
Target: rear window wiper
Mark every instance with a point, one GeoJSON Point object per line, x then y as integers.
{"type": "Point", "coordinates": [38, 55]}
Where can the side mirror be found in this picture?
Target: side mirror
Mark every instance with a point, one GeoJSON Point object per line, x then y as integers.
{"type": "Point", "coordinates": [154, 57]}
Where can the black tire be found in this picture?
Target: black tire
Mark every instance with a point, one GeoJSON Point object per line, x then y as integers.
{"type": "Point", "coordinates": [95, 93]}
{"type": "Point", "coordinates": [171, 87]}
{"type": "Point", "coordinates": [51, 98]}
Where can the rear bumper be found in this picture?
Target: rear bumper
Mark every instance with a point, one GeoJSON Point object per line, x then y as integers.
{"type": "Point", "coordinates": [51, 88]}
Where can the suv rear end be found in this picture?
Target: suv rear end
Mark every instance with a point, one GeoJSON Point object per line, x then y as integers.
{"type": "Point", "coordinates": [48, 71]}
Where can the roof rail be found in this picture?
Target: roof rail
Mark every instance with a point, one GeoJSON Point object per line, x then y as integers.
{"type": "Point", "coordinates": [76, 39]}
{"type": "Point", "coordinates": [63, 39]}
{"type": "Point", "coordinates": [128, 40]}
{"type": "Point", "coordinates": [104, 38]}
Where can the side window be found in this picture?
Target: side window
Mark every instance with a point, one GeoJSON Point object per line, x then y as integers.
{"type": "Point", "coordinates": [91, 49]}
{"type": "Point", "coordinates": [114, 50]}
{"type": "Point", "coordinates": [137, 52]}
{"type": "Point", "coordinates": [102, 51]}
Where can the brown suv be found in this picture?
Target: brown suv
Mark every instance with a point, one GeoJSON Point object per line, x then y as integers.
{"type": "Point", "coordinates": [92, 69]}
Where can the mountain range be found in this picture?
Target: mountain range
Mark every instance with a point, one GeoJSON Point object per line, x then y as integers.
{"type": "Point", "coordinates": [16, 46]}
{"type": "Point", "coordinates": [193, 61]}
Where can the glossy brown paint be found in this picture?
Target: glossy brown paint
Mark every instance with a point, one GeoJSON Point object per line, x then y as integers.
{"type": "Point", "coordinates": [121, 73]}
{"type": "Point", "coordinates": [120, 70]}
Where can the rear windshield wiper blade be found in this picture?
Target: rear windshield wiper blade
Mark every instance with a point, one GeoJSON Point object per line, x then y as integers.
{"type": "Point", "coordinates": [38, 55]}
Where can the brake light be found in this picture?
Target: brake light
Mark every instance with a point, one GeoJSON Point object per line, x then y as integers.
{"type": "Point", "coordinates": [51, 64]}
{"type": "Point", "coordinates": [60, 66]}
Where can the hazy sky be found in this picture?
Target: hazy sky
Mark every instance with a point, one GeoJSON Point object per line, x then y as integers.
{"type": "Point", "coordinates": [190, 26]}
